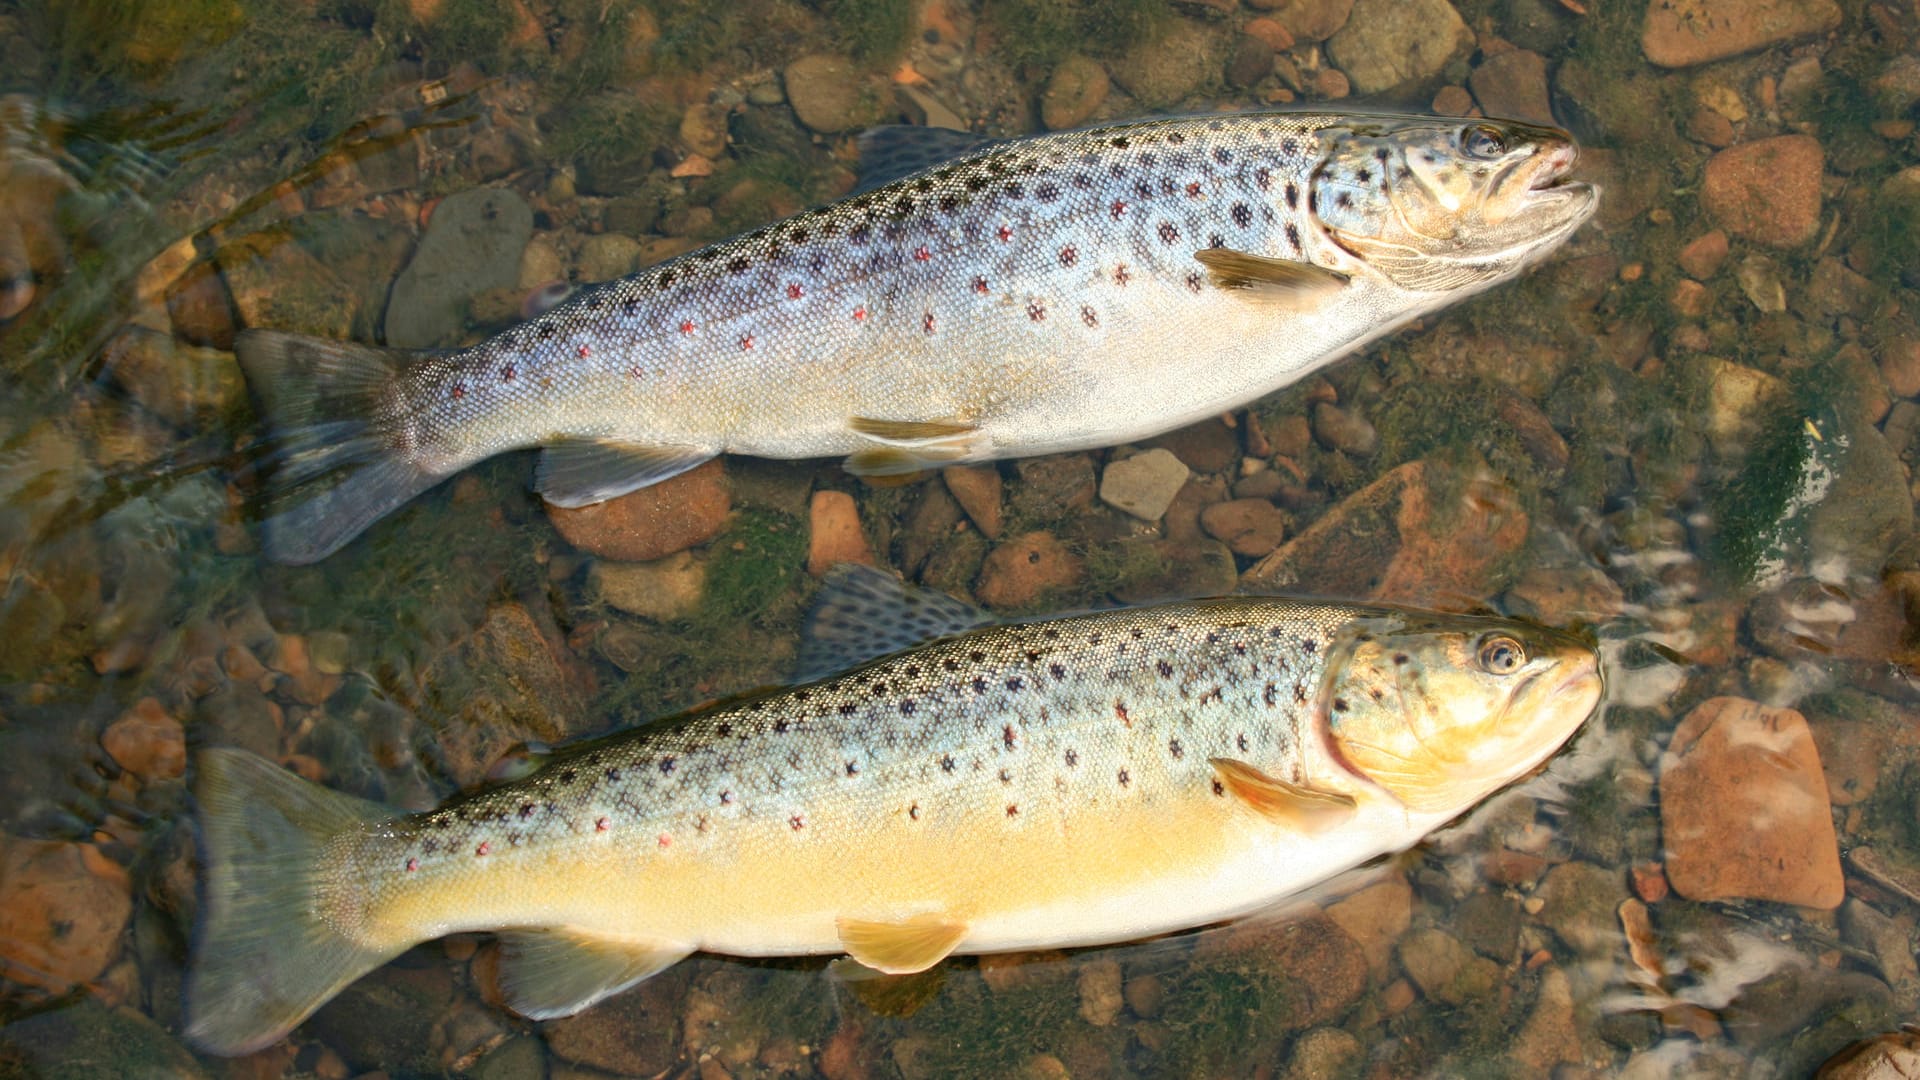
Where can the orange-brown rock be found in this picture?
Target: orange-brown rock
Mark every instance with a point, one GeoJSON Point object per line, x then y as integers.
{"type": "Point", "coordinates": [1766, 191]}
{"type": "Point", "coordinates": [834, 536]}
{"type": "Point", "coordinates": [1681, 33]}
{"type": "Point", "coordinates": [147, 742]}
{"type": "Point", "coordinates": [1422, 534]}
{"type": "Point", "coordinates": [60, 923]}
{"type": "Point", "coordinates": [654, 522]}
{"type": "Point", "coordinates": [1024, 569]}
{"type": "Point", "coordinates": [977, 489]}
{"type": "Point", "coordinates": [1744, 809]}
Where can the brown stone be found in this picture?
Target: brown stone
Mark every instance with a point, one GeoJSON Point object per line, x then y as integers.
{"type": "Point", "coordinates": [830, 95]}
{"type": "Point", "coordinates": [1024, 569]}
{"type": "Point", "coordinates": [1313, 20]}
{"type": "Point", "coordinates": [147, 742]}
{"type": "Point", "coordinates": [1394, 540]}
{"type": "Point", "coordinates": [1744, 808]}
{"type": "Point", "coordinates": [1251, 61]}
{"type": "Point", "coordinates": [977, 489]}
{"type": "Point", "coordinates": [1705, 125]}
{"type": "Point", "coordinates": [1766, 191]}
{"type": "Point", "coordinates": [1074, 90]}
{"type": "Point", "coordinates": [1704, 255]}
{"type": "Point", "coordinates": [1316, 956]}
{"type": "Point", "coordinates": [1251, 527]}
{"type": "Point", "coordinates": [1558, 596]}
{"type": "Point", "coordinates": [1690, 299]}
{"type": "Point", "coordinates": [1375, 917]}
{"type": "Point", "coordinates": [632, 1034]}
{"type": "Point", "coordinates": [1681, 33]}
{"type": "Point", "coordinates": [200, 308]}
{"type": "Point", "coordinates": [1453, 101]}
{"type": "Point", "coordinates": [1271, 31]}
{"type": "Point", "coordinates": [653, 522]}
{"type": "Point", "coordinates": [834, 534]}
{"type": "Point", "coordinates": [60, 923]}
{"type": "Point", "coordinates": [1900, 366]}
{"type": "Point", "coordinates": [1513, 86]}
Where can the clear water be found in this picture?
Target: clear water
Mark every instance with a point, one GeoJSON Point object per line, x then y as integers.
{"type": "Point", "coordinates": [170, 170]}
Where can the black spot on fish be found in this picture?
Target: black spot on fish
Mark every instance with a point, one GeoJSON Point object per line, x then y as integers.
{"type": "Point", "coordinates": [1168, 232]}
{"type": "Point", "coordinates": [1073, 757]}
{"type": "Point", "coordinates": [1339, 704]}
{"type": "Point", "coordinates": [979, 685]}
{"type": "Point", "coordinates": [946, 762]}
{"type": "Point", "coordinates": [567, 777]}
{"type": "Point", "coordinates": [1046, 192]}
{"type": "Point", "coordinates": [1293, 197]}
{"type": "Point", "coordinates": [1007, 736]}
{"type": "Point", "coordinates": [1242, 215]}
{"type": "Point", "coordinates": [1269, 695]}
{"type": "Point", "coordinates": [1401, 658]}
{"type": "Point", "coordinates": [547, 330]}
{"type": "Point", "coordinates": [738, 265]}
{"type": "Point", "coordinates": [1309, 646]}
{"type": "Point", "coordinates": [1125, 778]}
{"type": "Point", "coordinates": [1240, 741]}
{"type": "Point", "coordinates": [907, 707]}
{"type": "Point", "coordinates": [1263, 178]}
{"type": "Point", "coordinates": [1119, 142]}
{"type": "Point", "coordinates": [1058, 671]}
{"type": "Point", "coordinates": [1219, 788]}
{"type": "Point", "coordinates": [1293, 235]}
{"type": "Point", "coordinates": [1222, 155]}
{"type": "Point", "coordinates": [780, 727]}
{"type": "Point", "coordinates": [526, 811]}
{"type": "Point", "coordinates": [847, 708]}
{"type": "Point", "coordinates": [1015, 683]}
{"type": "Point", "coordinates": [1015, 190]}
{"type": "Point", "coordinates": [853, 769]}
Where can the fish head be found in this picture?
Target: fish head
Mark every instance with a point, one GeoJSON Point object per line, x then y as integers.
{"type": "Point", "coordinates": [1443, 205]}
{"type": "Point", "coordinates": [1441, 711]}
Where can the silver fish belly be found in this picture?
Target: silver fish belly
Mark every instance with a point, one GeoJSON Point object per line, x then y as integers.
{"type": "Point", "coordinates": [1055, 293]}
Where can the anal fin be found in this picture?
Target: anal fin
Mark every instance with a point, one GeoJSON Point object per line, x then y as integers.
{"type": "Point", "coordinates": [904, 447]}
{"type": "Point", "coordinates": [550, 972]}
{"type": "Point", "coordinates": [579, 472]}
{"type": "Point", "coordinates": [903, 947]}
{"type": "Point", "coordinates": [1281, 802]}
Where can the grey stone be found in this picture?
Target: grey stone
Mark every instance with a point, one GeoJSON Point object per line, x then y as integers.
{"type": "Point", "coordinates": [830, 95]}
{"type": "Point", "coordinates": [1389, 42]}
{"type": "Point", "coordinates": [1172, 66]}
{"type": "Point", "coordinates": [472, 244]}
{"type": "Point", "coordinates": [659, 590]}
{"type": "Point", "coordinates": [1144, 484]}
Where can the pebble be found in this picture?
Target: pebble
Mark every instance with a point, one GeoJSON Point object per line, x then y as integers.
{"type": "Point", "coordinates": [834, 533]}
{"type": "Point", "coordinates": [1704, 254]}
{"type": "Point", "coordinates": [1889, 939]}
{"type": "Point", "coordinates": [1168, 68]}
{"type": "Point", "coordinates": [147, 742]}
{"type": "Point", "coordinates": [1074, 90]}
{"type": "Point", "coordinates": [1271, 31]}
{"type": "Point", "coordinates": [703, 130]}
{"type": "Point", "coordinates": [1375, 917]}
{"type": "Point", "coordinates": [660, 590]}
{"type": "Point", "coordinates": [1327, 968]}
{"type": "Point", "coordinates": [1331, 83]}
{"type": "Point", "coordinates": [1900, 365]}
{"type": "Point", "coordinates": [473, 243]}
{"type": "Point", "coordinates": [1250, 527]}
{"type": "Point", "coordinates": [606, 256]}
{"type": "Point", "coordinates": [1549, 1037]}
{"type": "Point", "coordinates": [60, 923]}
{"type": "Point", "coordinates": [1453, 101]}
{"type": "Point", "coordinates": [1324, 1052]}
{"type": "Point", "coordinates": [1143, 485]}
{"type": "Point", "coordinates": [1311, 20]}
{"type": "Point", "coordinates": [1513, 85]}
{"type": "Point", "coordinates": [1343, 430]}
{"type": "Point", "coordinates": [1252, 60]}
{"type": "Point", "coordinates": [185, 385]}
{"type": "Point", "coordinates": [1206, 447]}
{"type": "Point", "coordinates": [1580, 902]}
{"type": "Point", "coordinates": [1744, 809]}
{"type": "Point", "coordinates": [830, 95]}
{"type": "Point", "coordinates": [1101, 997]}
{"type": "Point", "coordinates": [1385, 43]}
{"type": "Point", "coordinates": [653, 522]}
{"type": "Point", "coordinates": [1689, 299]}
{"type": "Point", "coordinates": [977, 489]}
{"type": "Point", "coordinates": [1682, 34]}
{"type": "Point", "coordinates": [1893, 1056]}
{"type": "Point", "coordinates": [1446, 970]}
{"type": "Point", "coordinates": [1766, 191]}
{"type": "Point", "coordinates": [1145, 995]}
{"type": "Point", "coordinates": [199, 307]}
{"type": "Point", "coordinates": [1022, 570]}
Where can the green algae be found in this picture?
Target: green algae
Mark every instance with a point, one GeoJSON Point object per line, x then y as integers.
{"type": "Point", "coordinates": [877, 31]}
{"type": "Point", "coordinates": [1037, 34]}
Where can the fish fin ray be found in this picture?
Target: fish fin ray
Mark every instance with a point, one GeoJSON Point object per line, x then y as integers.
{"type": "Point", "coordinates": [265, 955]}
{"type": "Point", "coordinates": [903, 947]}
{"type": "Point", "coordinates": [336, 468]}
{"type": "Point", "coordinates": [904, 447]}
{"type": "Point", "coordinates": [1268, 280]}
{"type": "Point", "coordinates": [580, 472]}
{"type": "Point", "coordinates": [550, 972]}
{"type": "Point", "coordinates": [893, 151]}
{"type": "Point", "coordinates": [1282, 802]}
{"type": "Point", "coordinates": [862, 613]}
{"type": "Point", "coordinates": [912, 432]}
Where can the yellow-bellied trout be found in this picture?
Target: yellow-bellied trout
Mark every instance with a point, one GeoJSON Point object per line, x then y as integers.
{"type": "Point", "coordinates": [1060, 292]}
{"type": "Point", "coordinates": [1069, 781]}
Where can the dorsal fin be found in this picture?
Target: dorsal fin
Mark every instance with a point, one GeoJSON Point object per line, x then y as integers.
{"type": "Point", "coordinates": [862, 613]}
{"type": "Point", "coordinates": [892, 151]}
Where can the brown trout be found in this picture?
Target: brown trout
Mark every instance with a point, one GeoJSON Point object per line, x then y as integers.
{"type": "Point", "coordinates": [1060, 292]}
{"type": "Point", "coordinates": [1070, 781]}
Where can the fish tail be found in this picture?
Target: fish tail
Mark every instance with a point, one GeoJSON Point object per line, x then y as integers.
{"type": "Point", "coordinates": [340, 459]}
{"type": "Point", "coordinates": [266, 954]}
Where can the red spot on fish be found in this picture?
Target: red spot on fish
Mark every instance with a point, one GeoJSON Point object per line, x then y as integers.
{"type": "Point", "coordinates": [1121, 275]}
{"type": "Point", "coordinates": [1069, 256]}
{"type": "Point", "coordinates": [1036, 312]}
{"type": "Point", "coordinates": [665, 840]}
{"type": "Point", "coordinates": [1119, 207]}
{"type": "Point", "coordinates": [797, 822]}
{"type": "Point", "coordinates": [860, 314]}
{"type": "Point", "coordinates": [686, 327]}
{"type": "Point", "coordinates": [929, 322]}
{"type": "Point", "coordinates": [506, 373]}
{"type": "Point", "coordinates": [1193, 191]}
{"type": "Point", "coordinates": [1120, 711]}
{"type": "Point", "coordinates": [921, 254]}
{"type": "Point", "coordinates": [484, 847]}
{"type": "Point", "coordinates": [795, 292]}
{"type": "Point", "coordinates": [634, 371]}
{"type": "Point", "coordinates": [1006, 233]}
{"type": "Point", "coordinates": [601, 824]}
{"type": "Point", "coordinates": [746, 342]}
{"type": "Point", "coordinates": [980, 285]}
{"type": "Point", "coordinates": [459, 391]}
{"type": "Point", "coordinates": [584, 351]}
{"type": "Point", "coordinates": [412, 865]}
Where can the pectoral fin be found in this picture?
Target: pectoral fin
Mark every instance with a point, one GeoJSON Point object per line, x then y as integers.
{"type": "Point", "coordinates": [551, 972]}
{"type": "Point", "coordinates": [579, 472]}
{"type": "Point", "coordinates": [1284, 803]}
{"type": "Point", "coordinates": [1260, 278]}
{"type": "Point", "coordinates": [901, 948]}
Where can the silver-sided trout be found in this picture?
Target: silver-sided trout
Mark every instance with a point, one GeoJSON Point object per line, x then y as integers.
{"type": "Point", "coordinates": [1072, 781]}
{"type": "Point", "coordinates": [1054, 293]}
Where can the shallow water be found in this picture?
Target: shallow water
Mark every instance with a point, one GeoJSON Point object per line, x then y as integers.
{"type": "Point", "coordinates": [1698, 453]}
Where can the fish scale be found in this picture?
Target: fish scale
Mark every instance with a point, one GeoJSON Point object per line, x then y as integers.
{"type": "Point", "coordinates": [1055, 293]}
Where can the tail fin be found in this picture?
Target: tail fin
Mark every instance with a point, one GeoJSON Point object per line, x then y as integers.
{"type": "Point", "coordinates": [328, 406]}
{"type": "Point", "coordinates": [264, 955]}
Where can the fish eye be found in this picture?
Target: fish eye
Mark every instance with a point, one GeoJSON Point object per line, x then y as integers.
{"type": "Point", "coordinates": [1483, 141]}
{"type": "Point", "coordinates": [1502, 655]}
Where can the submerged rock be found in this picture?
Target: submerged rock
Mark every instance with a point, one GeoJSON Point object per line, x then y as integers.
{"type": "Point", "coordinates": [60, 919]}
{"type": "Point", "coordinates": [1025, 568]}
{"type": "Point", "coordinates": [1744, 808]}
{"type": "Point", "coordinates": [1766, 191]}
{"type": "Point", "coordinates": [1143, 485]}
{"type": "Point", "coordinates": [1074, 90]}
{"type": "Point", "coordinates": [834, 534]}
{"type": "Point", "coordinates": [660, 590]}
{"type": "Point", "coordinates": [472, 244]}
{"type": "Point", "coordinates": [1388, 42]}
{"type": "Point", "coordinates": [831, 95]}
{"type": "Point", "coordinates": [1681, 33]}
{"type": "Point", "coordinates": [653, 522]}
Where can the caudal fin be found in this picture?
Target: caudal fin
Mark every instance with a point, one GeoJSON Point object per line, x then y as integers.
{"type": "Point", "coordinates": [336, 464]}
{"type": "Point", "coordinates": [264, 955]}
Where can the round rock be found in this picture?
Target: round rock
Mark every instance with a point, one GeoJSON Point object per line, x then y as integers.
{"type": "Point", "coordinates": [1767, 191]}
{"type": "Point", "coordinates": [1389, 42]}
{"type": "Point", "coordinates": [830, 94]}
{"type": "Point", "coordinates": [1076, 88]}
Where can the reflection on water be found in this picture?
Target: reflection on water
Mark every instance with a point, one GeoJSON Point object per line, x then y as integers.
{"type": "Point", "coordinates": [1691, 434]}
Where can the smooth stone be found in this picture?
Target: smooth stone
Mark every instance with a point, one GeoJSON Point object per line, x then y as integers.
{"type": "Point", "coordinates": [1022, 570]}
{"type": "Point", "coordinates": [660, 590]}
{"type": "Point", "coordinates": [1074, 90]}
{"type": "Point", "coordinates": [1766, 191]}
{"type": "Point", "coordinates": [830, 94]}
{"type": "Point", "coordinates": [1513, 85]}
{"type": "Point", "coordinates": [60, 921]}
{"type": "Point", "coordinates": [834, 533]}
{"type": "Point", "coordinates": [1143, 485]}
{"type": "Point", "coordinates": [1389, 42]}
{"type": "Point", "coordinates": [653, 522]}
{"type": "Point", "coordinates": [473, 243]}
{"type": "Point", "coordinates": [1682, 33]}
{"type": "Point", "coordinates": [977, 488]}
